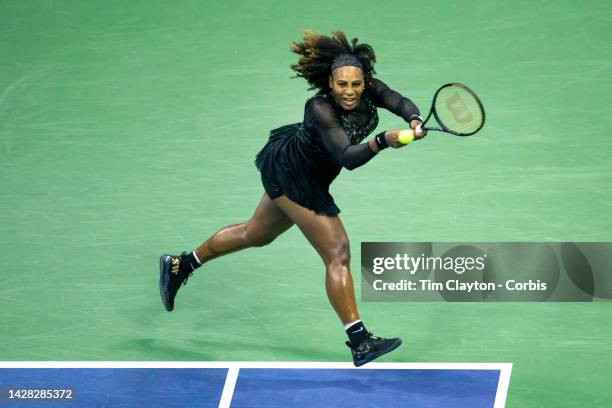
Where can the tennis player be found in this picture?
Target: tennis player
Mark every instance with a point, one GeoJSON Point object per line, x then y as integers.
{"type": "Point", "coordinates": [298, 164]}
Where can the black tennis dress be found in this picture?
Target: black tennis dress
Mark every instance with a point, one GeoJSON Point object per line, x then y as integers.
{"type": "Point", "coordinates": [301, 160]}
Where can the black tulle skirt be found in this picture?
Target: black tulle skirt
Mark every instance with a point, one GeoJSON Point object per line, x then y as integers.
{"type": "Point", "coordinates": [286, 169]}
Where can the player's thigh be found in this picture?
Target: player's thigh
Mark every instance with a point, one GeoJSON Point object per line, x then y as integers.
{"type": "Point", "coordinates": [325, 233]}
{"type": "Point", "coordinates": [268, 221]}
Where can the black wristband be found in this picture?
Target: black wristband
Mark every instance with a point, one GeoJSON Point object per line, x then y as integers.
{"type": "Point", "coordinates": [415, 117]}
{"type": "Point", "coordinates": [380, 140]}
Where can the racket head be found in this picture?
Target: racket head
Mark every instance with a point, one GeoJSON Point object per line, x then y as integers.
{"type": "Point", "coordinates": [457, 110]}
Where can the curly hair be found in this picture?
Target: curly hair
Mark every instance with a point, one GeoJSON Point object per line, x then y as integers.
{"type": "Point", "coordinates": [317, 53]}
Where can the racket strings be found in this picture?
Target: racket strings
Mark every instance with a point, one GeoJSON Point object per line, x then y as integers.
{"type": "Point", "coordinates": [458, 110]}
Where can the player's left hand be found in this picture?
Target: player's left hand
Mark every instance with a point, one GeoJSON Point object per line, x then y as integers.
{"type": "Point", "coordinates": [391, 136]}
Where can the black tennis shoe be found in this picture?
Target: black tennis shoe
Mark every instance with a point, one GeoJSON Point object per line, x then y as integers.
{"type": "Point", "coordinates": [371, 348]}
{"type": "Point", "coordinates": [171, 277]}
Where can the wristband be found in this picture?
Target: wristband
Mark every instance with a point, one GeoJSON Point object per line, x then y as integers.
{"type": "Point", "coordinates": [380, 140]}
{"type": "Point", "coordinates": [415, 117]}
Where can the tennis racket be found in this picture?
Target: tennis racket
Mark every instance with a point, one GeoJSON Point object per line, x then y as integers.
{"type": "Point", "coordinates": [457, 110]}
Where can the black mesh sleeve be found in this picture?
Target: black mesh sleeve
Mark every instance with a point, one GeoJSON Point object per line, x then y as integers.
{"type": "Point", "coordinates": [334, 138]}
{"type": "Point", "coordinates": [385, 97]}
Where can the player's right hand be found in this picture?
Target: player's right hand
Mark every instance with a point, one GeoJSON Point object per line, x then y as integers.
{"type": "Point", "coordinates": [418, 134]}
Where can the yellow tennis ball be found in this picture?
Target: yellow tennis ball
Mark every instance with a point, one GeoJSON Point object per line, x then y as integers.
{"type": "Point", "coordinates": [405, 136]}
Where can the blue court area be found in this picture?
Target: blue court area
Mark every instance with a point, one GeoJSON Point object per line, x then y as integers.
{"type": "Point", "coordinates": [118, 387]}
{"type": "Point", "coordinates": [306, 388]}
{"type": "Point", "coordinates": [251, 386]}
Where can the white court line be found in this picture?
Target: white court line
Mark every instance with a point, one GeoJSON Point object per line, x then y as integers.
{"type": "Point", "coordinates": [253, 364]}
{"type": "Point", "coordinates": [228, 388]}
{"type": "Point", "coordinates": [502, 386]}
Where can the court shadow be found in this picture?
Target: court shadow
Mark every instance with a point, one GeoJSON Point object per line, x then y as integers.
{"type": "Point", "coordinates": [219, 349]}
{"type": "Point", "coordinates": [157, 349]}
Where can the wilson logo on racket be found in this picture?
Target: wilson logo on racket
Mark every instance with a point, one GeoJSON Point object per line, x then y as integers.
{"type": "Point", "coordinates": [458, 109]}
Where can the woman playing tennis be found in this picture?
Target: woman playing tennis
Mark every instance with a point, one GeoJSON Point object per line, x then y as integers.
{"type": "Point", "coordinates": [298, 164]}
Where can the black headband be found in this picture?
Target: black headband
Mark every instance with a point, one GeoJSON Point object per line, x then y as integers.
{"type": "Point", "coordinates": [343, 60]}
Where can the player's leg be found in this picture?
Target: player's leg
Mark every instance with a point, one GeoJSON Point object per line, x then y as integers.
{"type": "Point", "coordinates": [263, 227]}
{"type": "Point", "coordinates": [328, 236]}
{"type": "Point", "coordinates": [329, 239]}
{"type": "Point", "coordinates": [267, 223]}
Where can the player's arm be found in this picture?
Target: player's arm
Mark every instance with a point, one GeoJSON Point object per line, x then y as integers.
{"type": "Point", "coordinates": [335, 140]}
{"type": "Point", "coordinates": [393, 101]}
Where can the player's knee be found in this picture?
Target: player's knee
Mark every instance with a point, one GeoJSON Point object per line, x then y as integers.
{"type": "Point", "coordinates": [257, 237]}
{"type": "Point", "coordinates": [262, 241]}
{"type": "Point", "coordinates": [340, 255]}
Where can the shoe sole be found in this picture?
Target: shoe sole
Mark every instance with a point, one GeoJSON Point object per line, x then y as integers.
{"type": "Point", "coordinates": [163, 282]}
{"type": "Point", "coordinates": [374, 356]}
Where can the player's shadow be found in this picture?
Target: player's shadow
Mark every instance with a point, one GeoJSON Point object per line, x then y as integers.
{"type": "Point", "coordinates": [217, 349]}
{"type": "Point", "coordinates": [159, 350]}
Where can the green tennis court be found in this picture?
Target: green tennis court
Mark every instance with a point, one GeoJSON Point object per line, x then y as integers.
{"type": "Point", "coordinates": [129, 129]}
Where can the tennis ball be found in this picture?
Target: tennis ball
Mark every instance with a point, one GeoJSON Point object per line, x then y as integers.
{"type": "Point", "coordinates": [405, 136]}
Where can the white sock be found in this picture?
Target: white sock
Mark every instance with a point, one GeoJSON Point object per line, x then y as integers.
{"type": "Point", "coordinates": [196, 258]}
{"type": "Point", "coordinates": [348, 325]}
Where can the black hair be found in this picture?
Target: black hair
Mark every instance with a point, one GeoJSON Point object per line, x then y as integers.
{"type": "Point", "coordinates": [317, 52]}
